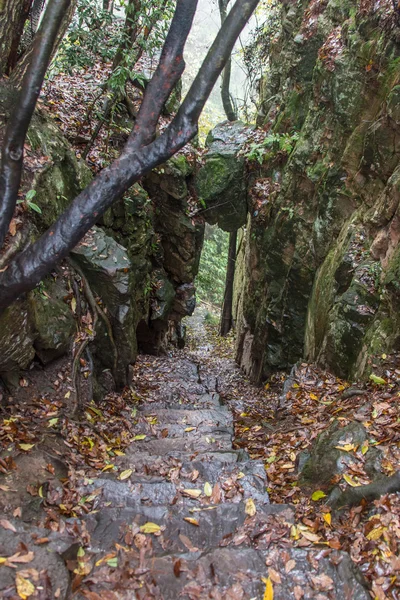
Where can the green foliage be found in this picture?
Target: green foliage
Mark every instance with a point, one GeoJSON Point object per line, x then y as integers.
{"type": "Point", "coordinates": [272, 145]}
{"type": "Point", "coordinates": [96, 34]}
{"type": "Point", "coordinates": [210, 282]}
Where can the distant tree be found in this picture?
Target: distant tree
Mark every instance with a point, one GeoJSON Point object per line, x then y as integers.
{"type": "Point", "coordinates": [142, 152]}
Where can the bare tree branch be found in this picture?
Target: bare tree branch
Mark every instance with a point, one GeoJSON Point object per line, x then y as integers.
{"type": "Point", "coordinates": [31, 265]}
{"type": "Point", "coordinates": [17, 127]}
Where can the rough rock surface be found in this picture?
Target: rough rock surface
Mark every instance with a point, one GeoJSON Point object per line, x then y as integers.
{"type": "Point", "coordinates": [221, 182]}
{"type": "Point", "coordinates": [321, 257]}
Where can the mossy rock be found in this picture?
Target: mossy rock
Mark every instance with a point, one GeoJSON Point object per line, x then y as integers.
{"type": "Point", "coordinates": [53, 321]}
{"type": "Point", "coordinates": [326, 460]}
{"type": "Point", "coordinates": [16, 337]}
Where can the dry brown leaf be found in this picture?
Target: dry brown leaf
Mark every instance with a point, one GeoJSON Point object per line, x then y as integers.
{"type": "Point", "coordinates": [7, 525]}
{"type": "Point", "coordinates": [187, 543]}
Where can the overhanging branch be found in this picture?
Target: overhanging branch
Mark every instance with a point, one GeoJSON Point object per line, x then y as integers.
{"type": "Point", "coordinates": [29, 267]}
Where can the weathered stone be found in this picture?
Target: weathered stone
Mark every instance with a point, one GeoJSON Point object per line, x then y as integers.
{"type": "Point", "coordinates": [221, 184]}
{"type": "Point", "coordinates": [108, 270]}
{"type": "Point", "coordinates": [16, 338]}
{"type": "Point", "coordinates": [325, 459]}
{"type": "Point", "coordinates": [52, 320]}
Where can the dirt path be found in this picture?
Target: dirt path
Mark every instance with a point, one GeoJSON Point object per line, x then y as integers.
{"type": "Point", "coordinates": [147, 497]}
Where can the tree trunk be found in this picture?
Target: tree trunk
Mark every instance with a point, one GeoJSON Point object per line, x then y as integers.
{"type": "Point", "coordinates": [226, 73]}
{"type": "Point", "coordinates": [226, 314]}
{"type": "Point", "coordinates": [13, 15]}
{"type": "Point", "coordinates": [23, 62]}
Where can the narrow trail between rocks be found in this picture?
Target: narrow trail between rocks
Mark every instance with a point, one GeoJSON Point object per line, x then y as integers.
{"type": "Point", "coordinates": [147, 497]}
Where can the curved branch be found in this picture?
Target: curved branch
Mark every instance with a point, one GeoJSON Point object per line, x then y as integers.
{"type": "Point", "coordinates": [17, 127]}
{"type": "Point", "coordinates": [29, 267]}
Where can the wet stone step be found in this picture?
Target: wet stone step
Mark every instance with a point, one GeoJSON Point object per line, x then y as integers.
{"type": "Point", "coordinates": [189, 443]}
{"type": "Point", "coordinates": [145, 463]}
{"type": "Point", "coordinates": [235, 483]}
{"type": "Point", "coordinates": [192, 418]}
{"type": "Point", "coordinates": [238, 572]}
{"type": "Point", "coordinates": [179, 401]}
{"type": "Point", "coordinates": [215, 523]}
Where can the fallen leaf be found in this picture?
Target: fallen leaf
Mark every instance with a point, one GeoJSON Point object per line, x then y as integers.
{"type": "Point", "coordinates": [187, 543]}
{"type": "Point", "coordinates": [125, 474]}
{"type": "Point", "coordinates": [7, 525]}
{"type": "Point", "coordinates": [24, 587]}
{"type": "Point", "coordinates": [327, 518]}
{"type": "Point", "coordinates": [207, 489]}
{"type": "Point", "coordinates": [318, 495]}
{"type": "Point", "coordinates": [26, 447]}
{"type": "Point", "coordinates": [290, 565]}
{"type": "Point", "coordinates": [376, 379]}
{"type": "Point", "coordinates": [191, 521]}
{"type": "Point", "coordinates": [274, 575]}
{"type": "Point", "coordinates": [150, 527]}
{"type": "Point", "coordinates": [250, 507]}
{"type": "Point", "coordinates": [192, 493]}
{"type": "Point", "coordinates": [269, 589]}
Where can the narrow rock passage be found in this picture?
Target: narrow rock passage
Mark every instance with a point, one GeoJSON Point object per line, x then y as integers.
{"type": "Point", "coordinates": [182, 514]}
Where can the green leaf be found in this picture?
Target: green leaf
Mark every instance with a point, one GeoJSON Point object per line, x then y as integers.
{"type": "Point", "coordinates": [34, 207]}
{"type": "Point", "coordinates": [113, 562]}
{"type": "Point", "coordinates": [30, 195]}
{"type": "Point", "coordinates": [376, 379]}
{"type": "Point", "coordinates": [318, 495]}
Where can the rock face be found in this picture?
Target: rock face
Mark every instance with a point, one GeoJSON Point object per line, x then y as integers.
{"type": "Point", "coordinates": [321, 261]}
{"type": "Point", "coordinates": [221, 182]}
{"type": "Point", "coordinates": [140, 262]}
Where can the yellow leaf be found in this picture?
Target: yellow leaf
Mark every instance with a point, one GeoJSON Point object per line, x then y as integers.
{"type": "Point", "coordinates": [190, 429]}
{"type": "Point", "coordinates": [375, 533]}
{"type": "Point", "coordinates": [347, 447]}
{"type": "Point", "coordinates": [108, 467]}
{"type": "Point", "coordinates": [191, 521]}
{"type": "Point", "coordinates": [139, 437]}
{"type": "Point", "coordinates": [73, 305]}
{"type": "Point", "coordinates": [295, 385]}
{"type": "Point", "coordinates": [24, 587]}
{"type": "Point", "coordinates": [267, 386]}
{"type": "Point", "coordinates": [364, 447]}
{"type": "Point", "coordinates": [150, 528]}
{"type": "Point", "coordinates": [317, 495]}
{"type": "Point", "coordinates": [192, 493]}
{"type": "Point", "coordinates": [313, 397]}
{"type": "Point", "coordinates": [26, 447]}
{"type": "Point", "coordinates": [240, 475]}
{"type": "Point", "coordinates": [350, 481]}
{"type": "Point", "coordinates": [67, 395]}
{"type": "Point", "coordinates": [125, 474]}
{"type": "Point", "coordinates": [207, 489]}
{"type": "Point", "coordinates": [119, 453]}
{"type": "Point", "coordinates": [2, 560]}
{"type": "Point", "coordinates": [269, 589]}
{"type": "Point", "coordinates": [328, 518]}
{"type": "Point", "coordinates": [250, 508]}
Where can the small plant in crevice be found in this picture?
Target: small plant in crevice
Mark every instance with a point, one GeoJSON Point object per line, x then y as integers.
{"type": "Point", "coordinates": [271, 146]}
{"type": "Point", "coordinates": [28, 201]}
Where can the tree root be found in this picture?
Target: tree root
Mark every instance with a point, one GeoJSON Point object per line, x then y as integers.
{"type": "Point", "coordinates": [372, 491]}
{"type": "Point", "coordinates": [97, 312]}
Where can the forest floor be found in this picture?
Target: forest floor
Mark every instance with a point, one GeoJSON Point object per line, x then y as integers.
{"type": "Point", "coordinates": [144, 496]}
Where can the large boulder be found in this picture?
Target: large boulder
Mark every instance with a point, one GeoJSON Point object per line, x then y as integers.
{"type": "Point", "coordinates": [221, 182]}
{"type": "Point", "coordinates": [107, 267]}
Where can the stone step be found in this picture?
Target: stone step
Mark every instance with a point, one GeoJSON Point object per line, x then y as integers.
{"type": "Point", "coordinates": [149, 464]}
{"type": "Point", "coordinates": [215, 524]}
{"type": "Point", "coordinates": [188, 443]}
{"type": "Point", "coordinates": [178, 430]}
{"type": "Point", "coordinates": [236, 481]}
{"type": "Point", "coordinates": [190, 418]}
{"type": "Point", "coordinates": [180, 401]}
{"type": "Point", "coordinates": [238, 572]}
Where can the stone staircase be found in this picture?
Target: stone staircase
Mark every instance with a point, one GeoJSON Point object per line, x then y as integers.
{"type": "Point", "coordinates": [191, 519]}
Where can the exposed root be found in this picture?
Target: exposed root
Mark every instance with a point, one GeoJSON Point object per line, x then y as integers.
{"type": "Point", "coordinates": [370, 492]}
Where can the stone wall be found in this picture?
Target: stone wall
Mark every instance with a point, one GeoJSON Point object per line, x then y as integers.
{"type": "Point", "coordinates": [322, 257]}
{"type": "Point", "coordinates": [140, 262]}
